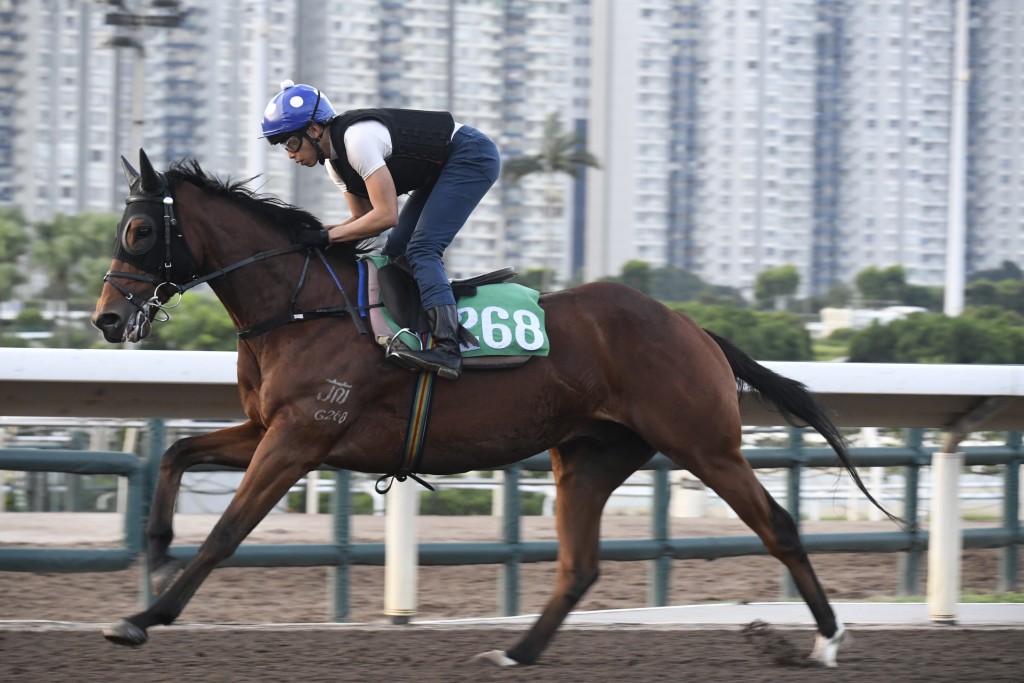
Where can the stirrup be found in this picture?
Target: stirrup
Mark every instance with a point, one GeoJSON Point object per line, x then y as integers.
{"type": "Point", "coordinates": [394, 355]}
{"type": "Point", "coordinates": [410, 359]}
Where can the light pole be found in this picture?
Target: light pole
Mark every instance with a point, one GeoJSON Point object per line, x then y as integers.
{"type": "Point", "coordinates": [166, 14]}
{"type": "Point", "coordinates": [956, 229]}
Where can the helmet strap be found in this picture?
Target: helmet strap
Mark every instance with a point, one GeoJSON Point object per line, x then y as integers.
{"type": "Point", "coordinates": [321, 159]}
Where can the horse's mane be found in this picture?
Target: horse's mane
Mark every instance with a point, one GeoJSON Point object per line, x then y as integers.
{"type": "Point", "coordinates": [268, 208]}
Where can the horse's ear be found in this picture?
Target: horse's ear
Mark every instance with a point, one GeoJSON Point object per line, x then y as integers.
{"type": "Point", "coordinates": [130, 174]}
{"type": "Point", "coordinates": [151, 183]}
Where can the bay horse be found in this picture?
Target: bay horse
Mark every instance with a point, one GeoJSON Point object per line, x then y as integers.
{"type": "Point", "coordinates": [625, 378]}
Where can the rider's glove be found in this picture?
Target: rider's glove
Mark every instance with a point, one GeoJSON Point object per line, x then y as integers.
{"type": "Point", "coordinates": [314, 238]}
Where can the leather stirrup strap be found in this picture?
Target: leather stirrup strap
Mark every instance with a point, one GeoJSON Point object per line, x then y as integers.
{"type": "Point", "coordinates": [419, 417]}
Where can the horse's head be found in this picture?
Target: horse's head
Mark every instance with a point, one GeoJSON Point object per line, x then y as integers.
{"type": "Point", "coordinates": [152, 260]}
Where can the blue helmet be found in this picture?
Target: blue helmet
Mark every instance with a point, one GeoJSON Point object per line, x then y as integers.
{"type": "Point", "coordinates": [294, 108]}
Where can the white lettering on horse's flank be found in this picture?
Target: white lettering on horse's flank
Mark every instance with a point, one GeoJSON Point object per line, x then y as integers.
{"type": "Point", "coordinates": [337, 392]}
{"type": "Point", "coordinates": [330, 416]}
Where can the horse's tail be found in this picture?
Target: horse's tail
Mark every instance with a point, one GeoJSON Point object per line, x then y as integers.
{"type": "Point", "coordinates": [795, 403]}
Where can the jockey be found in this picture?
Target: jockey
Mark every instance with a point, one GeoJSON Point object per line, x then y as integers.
{"type": "Point", "coordinates": [375, 155]}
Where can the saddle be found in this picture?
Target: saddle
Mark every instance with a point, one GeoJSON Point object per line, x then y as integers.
{"type": "Point", "coordinates": [401, 296]}
{"type": "Point", "coordinates": [395, 309]}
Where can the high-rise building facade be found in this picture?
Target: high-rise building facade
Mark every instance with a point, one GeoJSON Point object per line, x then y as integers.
{"type": "Point", "coordinates": [995, 184]}
{"type": "Point", "coordinates": [630, 132]}
{"type": "Point", "coordinates": [732, 136]}
{"type": "Point", "coordinates": [756, 104]}
{"type": "Point", "coordinates": [894, 192]}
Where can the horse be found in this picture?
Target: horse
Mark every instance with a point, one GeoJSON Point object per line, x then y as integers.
{"type": "Point", "coordinates": [625, 378]}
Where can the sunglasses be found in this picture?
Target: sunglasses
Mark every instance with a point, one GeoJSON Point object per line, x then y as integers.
{"type": "Point", "coordinates": [293, 144]}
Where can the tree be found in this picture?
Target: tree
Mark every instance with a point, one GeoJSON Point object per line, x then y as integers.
{"type": "Point", "coordinates": [882, 285]}
{"type": "Point", "coordinates": [1008, 270]}
{"type": "Point", "coordinates": [534, 278]}
{"type": "Point", "coordinates": [75, 251]}
{"type": "Point", "coordinates": [774, 283]}
{"type": "Point", "coordinates": [936, 338]}
{"type": "Point", "coordinates": [765, 336]}
{"type": "Point", "coordinates": [889, 286]}
{"type": "Point", "coordinates": [675, 284]}
{"type": "Point", "coordinates": [559, 153]}
{"type": "Point", "coordinates": [636, 274]}
{"type": "Point", "coordinates": [838, 295]}
{"type": "Point", "coordinates": [13, 240]}
{"type": "Point", "coordinates": [1007, 293]}
{"type": "Point", "coordinates": [200, 323]}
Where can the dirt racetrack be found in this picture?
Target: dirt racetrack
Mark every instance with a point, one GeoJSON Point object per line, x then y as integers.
{"type": "Point", "coordinates": [375, 650]}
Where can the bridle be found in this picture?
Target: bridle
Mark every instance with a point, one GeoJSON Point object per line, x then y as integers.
{"type": "Point", "coordinates": [176, 272]}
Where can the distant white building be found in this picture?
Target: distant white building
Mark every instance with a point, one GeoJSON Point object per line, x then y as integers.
{"type": "Point", "coordinates": [833, 319]}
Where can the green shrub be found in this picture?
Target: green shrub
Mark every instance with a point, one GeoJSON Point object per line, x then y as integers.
{"type": "Point", "coordinates": [456, 502]}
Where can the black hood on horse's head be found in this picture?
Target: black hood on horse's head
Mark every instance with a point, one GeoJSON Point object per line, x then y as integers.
{"type": "Point", "coordinates": [151, 181]}
{"type": "Point", "coordinates": [130, 174]}
{"type": "Point", "coordinates": [148, 235]}
{"type": "Point", "coordinates": [146, 183]}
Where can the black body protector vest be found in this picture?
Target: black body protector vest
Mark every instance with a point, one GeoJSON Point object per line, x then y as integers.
{"type": "Point", "coordinates": [419, 146]}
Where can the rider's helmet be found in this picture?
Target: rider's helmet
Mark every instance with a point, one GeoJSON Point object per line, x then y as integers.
{"type": "Point", "coordinates": [294, 108]}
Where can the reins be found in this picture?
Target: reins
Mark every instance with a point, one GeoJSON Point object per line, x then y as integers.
{"type": "Point", "coordinates": [315, 314]}
{"type": "Point", "coordinates": [295, 314]}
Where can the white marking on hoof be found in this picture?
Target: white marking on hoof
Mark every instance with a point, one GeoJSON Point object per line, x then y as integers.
{"type": "Point", "coordinates": [827, 649]}
{"type": "Point", "coordinates": [496, 657]}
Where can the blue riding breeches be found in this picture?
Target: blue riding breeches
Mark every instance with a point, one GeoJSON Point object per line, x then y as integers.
{"type": "Point", "coordinates": [432, 216]}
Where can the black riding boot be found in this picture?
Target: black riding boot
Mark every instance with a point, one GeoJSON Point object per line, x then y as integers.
{"type": "Point", "coordinates": [444, 357]}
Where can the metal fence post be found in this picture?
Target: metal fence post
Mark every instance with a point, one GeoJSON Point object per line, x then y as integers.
{"type": "Point", "coordinates": [797, 456]}
{"type": "Point", "coordinates": [661, 567]}
{"type": "Point", "coordinates": [909, 563]}
{"type": "Point", "coordinates": [511, 535]}
{"type": "Point", "coordinates": [1009, 568]}
{"type": "Point", "coordinates": [339, 576]}
{"type": "Point", "coordinates": [155, 447]}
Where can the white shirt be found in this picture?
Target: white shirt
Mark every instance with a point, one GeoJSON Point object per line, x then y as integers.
{"type": "Point", "coordinates": [367, 146]}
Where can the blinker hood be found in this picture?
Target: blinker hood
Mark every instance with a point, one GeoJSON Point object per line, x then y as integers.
{"type": "Point", "coordinates": [148, 236]}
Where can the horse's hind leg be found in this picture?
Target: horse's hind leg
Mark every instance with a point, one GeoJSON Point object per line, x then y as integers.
{"type": "Point", "coordinates": [280, 461]}
{"type": "Point", "coordinates": [586, 472]}
{"type": "Point", "coordinates": [231, 447]}
{"type": "Point", "coordinates": [730, 476]}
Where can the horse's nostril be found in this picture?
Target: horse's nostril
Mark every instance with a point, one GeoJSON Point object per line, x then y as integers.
{"type": "Point", "coordinates": [107, 321]}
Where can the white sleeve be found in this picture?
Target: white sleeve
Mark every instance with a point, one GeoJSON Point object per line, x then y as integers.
{"type": "Point", "coordinates": [335, 177]}
{"type": "Point", "coordinates": [367, 145]}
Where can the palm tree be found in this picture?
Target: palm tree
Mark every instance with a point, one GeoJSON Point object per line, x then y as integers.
{"type": "Point", "coordinates": [74, 251]}
{"type": "Point", "coordinates": [559, 152]}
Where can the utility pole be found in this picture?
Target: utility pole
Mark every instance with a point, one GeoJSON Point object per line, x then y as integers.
{"type": "Point", "coordinates": [956, 229]}
{"type": "Point", "coordinates": [165, 14]}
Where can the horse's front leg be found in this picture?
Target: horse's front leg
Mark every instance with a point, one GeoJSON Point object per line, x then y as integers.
{"type": "Point", "coordinates": [231, 447]}
{"type": "Point", "coordinates": [281, 459]}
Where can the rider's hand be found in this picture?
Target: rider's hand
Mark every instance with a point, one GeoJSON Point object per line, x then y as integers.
{"type": "Point", "coordinates": [314, 238]}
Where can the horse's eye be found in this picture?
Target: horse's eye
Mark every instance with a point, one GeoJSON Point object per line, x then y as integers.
{"type": "Point", "coordinates": [139, 235]}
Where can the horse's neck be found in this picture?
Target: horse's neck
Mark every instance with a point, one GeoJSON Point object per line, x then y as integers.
{"type": "Point", "coordinates": [263, 289]}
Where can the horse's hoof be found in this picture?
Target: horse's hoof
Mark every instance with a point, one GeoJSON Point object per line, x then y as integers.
{"type": "Point", "coordinates": [827, 649]}
{"type": "Point", "coordinates": [164, 575]}
{"type": "Point", "coordinates": [125, 632]}
{"type": "Point", "coordinates": [496, 657]}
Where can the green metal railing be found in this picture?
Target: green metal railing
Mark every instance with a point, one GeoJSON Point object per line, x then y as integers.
{"type": "Point", "coordinates": [511, 552]}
